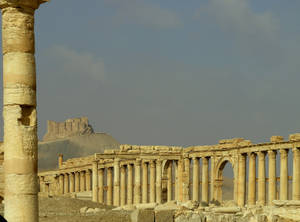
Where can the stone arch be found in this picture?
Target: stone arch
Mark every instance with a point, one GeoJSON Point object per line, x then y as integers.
{"type": "Point", "coordinates": [220, 165]}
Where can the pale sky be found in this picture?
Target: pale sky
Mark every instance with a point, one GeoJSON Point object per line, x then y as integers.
{"type": "Point", "coordinates": [171, 72]}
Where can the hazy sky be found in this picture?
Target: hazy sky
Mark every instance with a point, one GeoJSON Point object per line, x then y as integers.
{"type": "Point", "coordinates": [171, 72]}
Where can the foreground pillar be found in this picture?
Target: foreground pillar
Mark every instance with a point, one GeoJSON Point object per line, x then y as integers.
{"type": "Point", "coordinates": [61, 184]}
{"type": "Point", "coordinates": [95, 182]}
{"type": "Point", "coordinates": [137, 184]}
{"type": "Point", "coordinates": [158, 181]}
{"type": "Point", "coordinates": [109, 186]}
{"type": "Point", "coordinates": [242, 180]}
{"type": "Point", "coordinates": [176, 180]}
{"type": "Point", "coordinates": [272, 176]}
{"type": "Point", "coordinates": [82, 181]}
{"type": "Point", "coordinates": [130, 186]}
{"type": "Point", "coordinates": [66, 183]}
{"type": "Point", "coordinates": [72, 182]}
{"type": "Point", "coordinates": [212, 179]}
{"type": "Point", "coordinates": [205, 180]}
{"type": "Point", "coordinates": [195, 179]}
{"type": "Point", "coordinates": [101, 186]}
{"type": "Point", "coordinates": [77, 182]}
{"type": "Point", "coordinates": [180, 179]}
{"type": "Point", "coordinates": [252, 179]}
{"type": "Point", "coordinates": [261, 179]}
{"type": "Point", "coordinates": [88, 180]}
{"type": "Point", "coordinates": [123, 186]}
{"type": "Point", "coordinates": [145, 183]}
{"type": "Point", "coordinates": [19, 110]}
{"type": "Point", "coordinates": [152, 181]}
{"type": "Point", "coordinates": [169, 186]}
{"type": "Point", "coordinates": [296, 174]}
{"type": "Point", "coordinates": [186, 179]}
{"type": "Point", "coordinates": [117, 182]}
{"type": "Point", "coordinates": [283, 174]}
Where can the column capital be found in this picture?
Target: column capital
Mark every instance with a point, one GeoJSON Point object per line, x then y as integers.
{"type": "Point", "coordinates": [272, 153]}
{"type": "Point", "coordinates": [137, 162]}
{"type": "Point", "coordinates": [296, 151]}
{"type": "Point", "coordinates": [152, 163]}
{"type": "Point", "coordinates": [251, 154]}
{"type": "Point", "coordinates": [283, 152]}
{"type": "Point", "coordinates": [261, 154]}
{"type": "Point", "coordinates": [30, 4]}
{"type": "Point", "coordinates": [159, 162]}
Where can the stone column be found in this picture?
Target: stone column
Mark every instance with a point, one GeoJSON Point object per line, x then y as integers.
{"type": "Point", "coordinates": [242, 180]}
{"type": "Point", "coordinates": [176, 180]}
{"type": "Point", "coordinates": [169, 186]}
{"type": "Point", "coordinates": [158, 181]}
{"type": "Point", "coordinates": [129, 183]}
{"type": "Point", "coordinates": [101, 186]}
{"type": "Point", "coordinates": [72, 184]}
{"type": "Point", "coordinates": [152, 181]}
{"type": "Point", "coordinates": [19, 110]}
{"type": "Point", "coordinates": [212, 178]}
{"type": "Point", "coordinates": [180, 179]}
{"type": "Point", "coordinates": [66, 183]}
{"type": "Point", "coordinates": [261, 179]}
{"type": "Point", "coordinates": [252, 179]}
{"type": "Point", "coordinates": [195, 179]}
{"type": "Point", "coordinates": [61, 184]}
{"type": "Point", "coordinates": [205, 180]}
{"type": "Point", "coordinates": [272, 176]}
{"type": "Point", "coordinates": [123, 185]}
{"type": "Point", "coordinates": [60, 160]}
{"type": "Point", "coordinates": [145, 183]}
{"type": "Point", "coordinates": [82, 181]}
{"type": "Point", "coordinates": [117, 182]}
{"type": "Point", "coordinates": [283, 174]}
{"type": "Point", "coordinates": [109, 186]}
{"type": "Point", "coordinates": [77, 182]}
{"type": "Point", "coordinates": [186, 179]}
{"type": "Point", "coordinates": [88, 180]}
{"type": "Point", "coordinates": [95, 181]}
{"type": "Point", "coordinates": [296, 174]}
{"type": "Point", "coordinates": [137, 185]}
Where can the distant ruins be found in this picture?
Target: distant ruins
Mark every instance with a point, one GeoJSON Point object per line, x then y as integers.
{"type": "Point", "coordinates": [70, 127]}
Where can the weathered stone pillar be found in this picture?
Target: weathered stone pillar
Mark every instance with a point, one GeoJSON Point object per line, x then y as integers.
{"type": "Point", "coordinates": [176, 189]}
{"type": "Point", "coordinates": [66, 183]}
{"type": "Point", "coordinates": [180, 169]}
{"type": "Point", "coordinates": [60, 160]}
{"type": "Point", "coordinates": [137, 184]}
{"type": "Point", "coordinates": [109, 186]}
{"type": "Point", "coordinates": [169, 186]}
{"type": "Point", "coordinates": [77, 182]}
{"type": "Point", "coordinates": [123, 186]}
{"type": "Point", "coordinates": [186, 179]}
{"type": "Point", "coordinates": [212, 178]}
{"type": "Point", "coordinates": [158, 180]}
{"type": "Point", "coordinates": [252, 179]}
{"type": "Point", "coordinates": [205, 180]}
{"type": "Point", "coordinates": [145, 183]}
{"type": "Point", "coordinates": [195, 179]}
{"type": "Point", "coordinates": [272, 175]}
{"type": "Point", "coordinates": [19, 110]}
{"type": "Point", "coordinates": [95, 182]}
{"type": "Point", "coordinates": [129, 184]}
{"type": "Point", "coordinates": [261, 179]}
{"type": "Point", "coordinates": [82, 181]}
{"type": "Point", "coordinates": [101, 186]}
{"type": "Point", "coordinates": [72, 182]}
{"type": "Point", "coordinates": [61, 184]}
{"type": "Point", "coordinates": [88, 180]}
{"type": "Point", "coordinates": [283, 174]}
{"type": "Point", "coordinates": [152, 181]}
{"type": "Point", "coordinates": [117, 182]}
{"type": "Point", "coordinates": [296, 174]}
{"type": "Point", "coordinates": [242, 180]}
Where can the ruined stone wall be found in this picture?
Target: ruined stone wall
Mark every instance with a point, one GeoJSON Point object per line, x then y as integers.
{"type": "Point", "coordinates": [70, 127]}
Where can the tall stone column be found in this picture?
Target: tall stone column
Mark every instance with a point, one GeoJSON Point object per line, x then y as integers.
{"type": "Point", "coordinates": [195, 179]}
{"type": "Point", "coordinates": [283, 174]}
{"type": "Point", "coordinates": [82, 181]}
{"type": "Point", "coordinates": [242, 180]}
{"type": "Point", "coordinates": [152, 181]}
{"type": "Point", "coordinates": [252, 179]}
{"type": "Point", "coordinates": [123, 186]}
{"type": "Point", "coordinates": [129, 183]}
{"type": "Point", "coordinates": [109, 186]}
{"type": "Point", "coordinates": [180, 169]}
{"type": "Point", "coordinates": [176, 181]}
{"type": "Point", "coordinates": [60, 160]}
{"type": "Point", "coordinates": [212, 178]}
{"type": "Point", "coordinates": [145, 183]}
{"type": "Point", "coordinates": [88, 180]}
{"type": "Point", "coordinates": [169, 186]}
{"type": "Point", "coordinates": [272, 175]}
{"type": "Point", "coordinates": [117, 182]}
{"type": "Point", "coordinates": [61, 184]}
{"type": "Point", "coordinates": [77, 182]}
{"type": "Point", "coordinates": [101, 186]}
{"type": "Point", "coordinates": [66, 183]}
{"type": "Point", "coordinates": [95, 182]}
{"type": "Point", "coordinates": [205, 180]}
{"type": "Point", "coordinates": [158, 180]}
{"type": "Point", "coordinates": [137, 185]}
{"type": "Point", "coordinates": [296, 174]}
{"type": "Point", "coordinates": [261, 179]}
{"type": "Point", "coordinates": [72, 182]}
{"type": "Point", "coordinates": [19, 110]}
{"type": "Point", "coordinates": [186, 179]}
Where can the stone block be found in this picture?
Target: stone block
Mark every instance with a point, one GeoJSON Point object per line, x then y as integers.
{"type": "Point", "coordinates": [142, 216]}
{"type": "Point", "coordinates": [294, 137]}
{"type": "Point", "coordinates": [276, 139]}
{"type": "Point", "coordinates": [164, 216]}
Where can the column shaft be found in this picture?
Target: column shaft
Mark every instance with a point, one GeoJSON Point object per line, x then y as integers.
{"type": "Point", "coordinates": [123, 186]}
{"type": "Point", "coordinates": [117, 182]}
{"type": "Point", "coordinates": [252, 179]}
{"type": "Point", "coordinates": [272, 176]}
{"type": "Point", "coordinates": [195, 179]}
{"type": "Point", "coordinates": [261, 179]}
{"type": "Point", "coordinates": [242, 180]}
{"type": "Point", "coordinates": [137, 185]}
{"type": "Point", "coordinates": [158, 181]}
{"type": "Point", "coordinates": [186, 179]}
{"type": "Point", "coordinates": [283, 174]}
{"type": "Point", "coordinates": [145, 183]}
{"type": "Point", "coordinates": [61, 184]}
{"type": "Point", "coordinates": [77, 182]}
{"type": "Point", "coordinates": [72, 182]}
{"type": "Point", "coordinates": [109, 186]}
{"type": "Point", "coordinates": [169, 186]}
{"type": "Point", "coordinates": [296, 174]}
{"type": "Point", "coordinates": [152, 181]}
{"type": "Point", "coordinates": [212, 179]}
{"type": "Point", "coordinates": [101, 186]}
{"type": "Point", "coordinates": [205, 180]}
{"type": "Point", "coordinates": [95, 182]}
{"type": "Point", "coordinates": [82, 181]}
{"type": "Point", "coordinates": [129, 183]}
{"type": "Point", "coordinates": [180, 179]}
{"type": "Point", "coordinates": [88, 180]}
{"type": "Point", "coordinates": [176, 189]}
{"type": "Point", "coordinates": [66, 183]}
